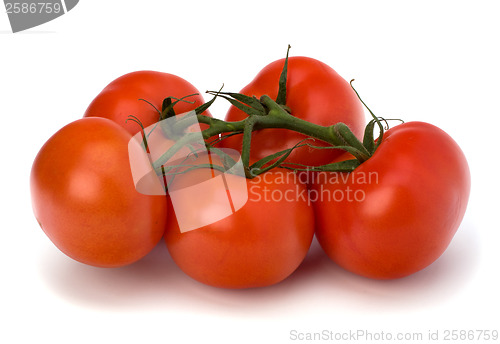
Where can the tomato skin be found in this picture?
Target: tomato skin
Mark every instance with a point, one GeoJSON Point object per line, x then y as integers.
{"type": "Point", "coordinates": [409, 213]}
{"type": "Point", "coordinates": [121, 97]}
{"type": "Point", "coordinates": [315, 93]}
{"type": "Point", "coordinates": [84, 198]}
{"type": "Point", "coordinates": [259, 245]}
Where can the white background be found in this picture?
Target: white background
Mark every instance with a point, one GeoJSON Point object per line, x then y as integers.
{"type": "Point", "coordinates": [434, 61]}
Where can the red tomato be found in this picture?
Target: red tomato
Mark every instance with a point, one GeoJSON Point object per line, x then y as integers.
{"type": "Point", "coordinates": [84, 197]}
{"type": "Point", "coordinates": [258, 245]}
{"type": "Point", "coordinates": [121, 97]}
{"type": "Point", "coordinates": [398, 211]}
{"type": "Point", "coordinates": [315, 93]}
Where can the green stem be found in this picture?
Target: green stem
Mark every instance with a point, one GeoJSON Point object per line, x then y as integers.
{"type": "Point", "coordinates": [182, 142]}
{"type": "Point", "coordinates": [338, 135]}
{"type": "Point", "coordinates": [247, 139]}
{"type": "Point", "coordinates": [280, 118]}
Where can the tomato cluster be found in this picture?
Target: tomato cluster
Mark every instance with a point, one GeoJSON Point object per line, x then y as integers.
{"type": "Point", "coordinates": [391, 216]}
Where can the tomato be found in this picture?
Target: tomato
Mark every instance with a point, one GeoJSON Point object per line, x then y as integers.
{"type": "Point", "coordinates": [258, 245]}
{"type": "Point", "coordinates": [121, 98]}
{"type": "Point", "coordinates": [84, 198]}
{"type": "Point", "coordinates": [397, 212]}
{"type": "Point", "coordinates": [315, 93]}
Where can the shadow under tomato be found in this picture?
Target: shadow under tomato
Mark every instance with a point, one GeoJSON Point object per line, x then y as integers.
{"type": "Point", "coordinates": [433, 285]}
{"type": "Point", "coordinates": [155, 283]}
{"type": "Point", "coordinates": [112, 288]}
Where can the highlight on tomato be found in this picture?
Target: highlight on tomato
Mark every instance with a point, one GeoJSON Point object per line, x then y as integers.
{"type": "Point", "coordinates": [308, 89]}
{"type": "Point", "coordinates": [257, 245]}
{"type": "Point", "coordinates": [85, 200]}
{"type": "Point", "coordinates": [148, 96]}
{"type": "Point", "coordinates": [398, 211]}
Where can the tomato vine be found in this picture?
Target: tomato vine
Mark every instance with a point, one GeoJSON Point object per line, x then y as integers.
{"type": "Point", "coordinates": [264, 113]}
